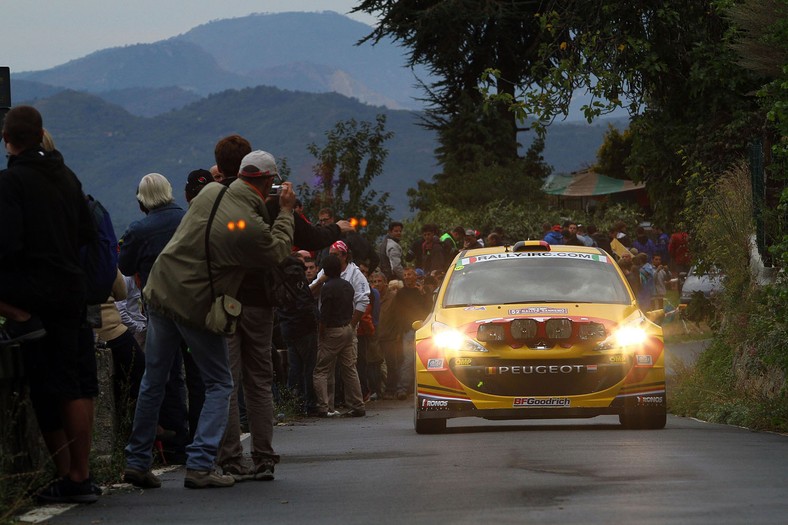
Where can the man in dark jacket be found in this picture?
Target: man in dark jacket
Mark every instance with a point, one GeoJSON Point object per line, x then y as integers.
{"type": "Point", "coordinates": [43, 222]}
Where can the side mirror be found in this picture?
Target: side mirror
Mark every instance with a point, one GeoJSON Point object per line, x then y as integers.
{"type": "Point", "coordinates": [417, 324]}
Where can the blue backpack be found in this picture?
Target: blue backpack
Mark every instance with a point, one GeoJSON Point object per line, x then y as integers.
{"type": "Point", "coordinates": [100, 256]}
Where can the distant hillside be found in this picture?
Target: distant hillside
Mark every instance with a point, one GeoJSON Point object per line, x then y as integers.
{"type": "Point", "coordinates": [111, 149]}
{"type": "Point", "coordinates": [313, 52]}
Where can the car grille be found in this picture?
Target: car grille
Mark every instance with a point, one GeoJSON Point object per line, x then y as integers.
{"type": "Point", "coordinates": [505, 377]}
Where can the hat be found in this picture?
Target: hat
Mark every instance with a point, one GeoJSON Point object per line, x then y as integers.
{"type": "Point", "coordinates": [419, 272]}
{"type": "Point", "coordinates": [557, 227]}
{"type": "Point", "coordinates": [196, 181]}
{"type": "Point", "coordinates": [470, 233]}
{"type": "Point", "coordinates": [258, 164]}
{"type": "Point", "coordinates": [340, 246]}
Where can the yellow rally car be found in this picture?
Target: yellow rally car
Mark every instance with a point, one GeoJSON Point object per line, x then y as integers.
{"type": "Point", "coordinates": [538, 331]}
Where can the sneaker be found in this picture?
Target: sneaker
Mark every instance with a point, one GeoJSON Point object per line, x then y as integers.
{"type": "Point", "coordinates": [14, 332]}
{"type": "Point", "coordinates": [239, 471]}
{"type": "Point", "coordinates": [204, 479]}
{"type": "Point", "coordinates": [356, 412]}
{"type": "Point", "coordinates": [402, 396]}
{"type": "Point", "coordinates": [333, 413]}
{"type": "Point", "coordinates": [264, 472]}
{"type": "Point", "coordinates": [142, 479]}
{"type": "Point", "coordinates": [64, 490]}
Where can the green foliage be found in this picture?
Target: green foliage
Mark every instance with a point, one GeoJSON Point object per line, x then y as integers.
{"type": "Point", "coordinates": [613, 154]}
{"type": "Point", "coordinates": [351, 159]}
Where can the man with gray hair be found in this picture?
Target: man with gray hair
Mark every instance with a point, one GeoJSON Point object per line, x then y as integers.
{"type": "Point", "coordinates": [223, 235]}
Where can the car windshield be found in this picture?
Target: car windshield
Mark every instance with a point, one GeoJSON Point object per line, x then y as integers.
{"type": "Point", "coordinates": [513, 278]}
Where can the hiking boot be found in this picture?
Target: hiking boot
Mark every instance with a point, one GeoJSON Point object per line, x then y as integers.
{"type": "Point", "coordinates": [64, 490]}
{"type": "Point", "coordinates": [142, 479]}
{"type": "Point", "coordinates": [402, 396]}
{"type": "Point", "coordinates": [239, 471]}
{"type": "Point", "coordinates": [14, 332]}
{"type": "Point", "coordinates": [264, 472]}
{"type": "Point", "coordinates": [204, 479]}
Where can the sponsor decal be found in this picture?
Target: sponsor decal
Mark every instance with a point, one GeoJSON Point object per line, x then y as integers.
{"type": "Point", "coordinates": [434, 403]}
{"type": "Point", "coordinates": [462, 361]}
{"type": "Point", "coordinates": [525, 255]}
{"type": "Point", "coordinates": [548, 402]}
{"type": "Point", "coordinates": [644, 360]}
{"type": "Point", "coordinates": [618, 359]}
{"type": "Point", "coordinates": [534, 369]}
{"type": "Point", "coordinates": [432, 364]}
{"type": "Point", "coordinates": [650, 400]}
{"type": "Point", "coordinates": [538, 310]}
{"type": "Point", "coordinates": [474, 308]}
{"type": "Point", "coordinates": [591, 368]}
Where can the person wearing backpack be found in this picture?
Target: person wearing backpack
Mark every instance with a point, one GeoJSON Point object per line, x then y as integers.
{"type": "Point", "coordinates": [44, 221]}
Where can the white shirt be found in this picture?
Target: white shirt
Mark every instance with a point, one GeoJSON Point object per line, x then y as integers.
{"type": "Point", "coordinates": [359, 283]}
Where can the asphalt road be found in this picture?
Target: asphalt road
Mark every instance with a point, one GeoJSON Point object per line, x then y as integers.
{"type": "Point", "coordinates": [378, 470]}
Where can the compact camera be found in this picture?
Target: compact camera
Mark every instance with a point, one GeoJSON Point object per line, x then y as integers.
{"type": "Point", "coordinates": [275, 189]}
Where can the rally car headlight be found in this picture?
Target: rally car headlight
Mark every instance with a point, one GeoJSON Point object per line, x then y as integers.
{"type": "Point", "coordinates": [626, 336]}
{"type": "Point", "coordinates": [448, 338]}
{"type": "Point", "coordinates": [630, 336]}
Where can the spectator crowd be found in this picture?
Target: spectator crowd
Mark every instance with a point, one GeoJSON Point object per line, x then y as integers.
{"type": "Point", "coordinates": [201, 347]}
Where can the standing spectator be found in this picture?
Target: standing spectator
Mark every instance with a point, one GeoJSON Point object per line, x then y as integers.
{"type": "Point", "coordinates": [431, 254]}
{"type": "Point", "coordinates": [646, 272]}
{"type": "Point", "coordinates": [620, 234]}
{"type": "Point", "coordinates": [44, 220]}
{"type": "Point", "coordinates": [584, 237]}
{"type": "Point", "coordinates": [451, 242]}
{"type": "Point", "coordinates": [412, 305]}
{"type": "Point", "coordinates": [678, 247]}
{"type": "Point", "coordinates": [127, 357]}
{"type": "Point", "coordinates": [325, 217]}
{"type": "Point", "coordinates": [140, 245]}
{"type": "Point", "coordinates": [661, 245]}
{"type": "Point", "coordinates": [337, 338]}
{"type": "Point", "coordinates": [643, 243]}
{"type": "Point", "coordinates": [660, 277]}
{"type": "Point", "coordinates": [569, 233]}
{"type": "Point", "coordinates": [471, 242]}
{"type": "Point", "coordinates": [298, 325]}
{"type": "Point", "coordinates": [252, 358]}
{"type": "Point", "coordinates": [631, 273]}
{"type": "Point", "coordinates": [493, 239]}
{"type": "Point", "coordinates": [180, 293]}
{"type": "Point", "coordinates": [601, 239]}
{"type": "Point", "coordinates": [130, 310]}
{"type": "Point", "coordinates": [554, 236]}
{"type": "Point", "coordinates": [375, 358]}
{"type": "Point", "coordinates": [389, 337]}
{"type": "Point", "coordinates": [391, 252]}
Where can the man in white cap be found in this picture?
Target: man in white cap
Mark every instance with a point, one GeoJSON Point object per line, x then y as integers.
{"type": "Point", "coordinates": [180, 292]}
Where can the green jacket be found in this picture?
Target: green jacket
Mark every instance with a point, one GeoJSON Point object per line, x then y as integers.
{"type": "Point", "coordinates": [178, 286]}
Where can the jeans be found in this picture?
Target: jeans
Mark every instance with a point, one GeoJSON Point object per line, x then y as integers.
{"type": "Point", "coordinates": [250, 352]}
{"type": "Point", "coordinates": [406, 369]}
{"type": "Point", "coordinates": [211, 356]}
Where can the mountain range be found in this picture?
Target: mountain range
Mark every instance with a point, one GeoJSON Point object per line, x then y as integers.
{"type": "Point", "coordinates": [120, 113]}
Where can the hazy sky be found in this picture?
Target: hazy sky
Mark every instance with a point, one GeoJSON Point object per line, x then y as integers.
{"type": "Point", "coordinates": [40, 34]}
